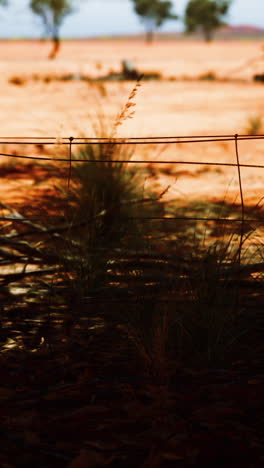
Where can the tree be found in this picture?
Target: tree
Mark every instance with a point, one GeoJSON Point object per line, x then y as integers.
{"type": "Point", "coordinates": [52, 13]}
{"type": "Point", "coordinates": [153, 13]}
{"type": "Point", "coordinates": [205, 15]}
{"type": "Point", "coordinates": [4, 2]}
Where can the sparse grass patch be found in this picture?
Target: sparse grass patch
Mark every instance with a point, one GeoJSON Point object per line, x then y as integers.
{"type": "Point", "coordinates": [254, 125]}
{"type": "Point", "coordinates": [208, 76]}
{"type": "Point", "coordinates": [17, 80]}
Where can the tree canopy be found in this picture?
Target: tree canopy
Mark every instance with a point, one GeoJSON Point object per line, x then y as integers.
{"type": "Point", "coordinates": [52, 13]}
{"type": "Point", "coordinates": [153, 13]}
{"type": "Point", "coordinates": [206, 16]}
{"type": "Point", "coordinates": [4, 2]}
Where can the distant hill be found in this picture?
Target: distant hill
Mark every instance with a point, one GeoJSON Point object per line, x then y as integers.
{"type": "Point", "coordinates": [228, 32]}
{"type": "Point", "coordinates": [225, 33]}
{"type": "Point", "coordinates": [241, 31]}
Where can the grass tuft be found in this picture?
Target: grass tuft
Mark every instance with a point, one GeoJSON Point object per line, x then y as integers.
{"type": "Point", "coordinates": [254, 125]}
{"type": "Point", "coordinates": [106, 203]}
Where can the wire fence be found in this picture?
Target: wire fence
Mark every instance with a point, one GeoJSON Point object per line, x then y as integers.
{"type": "Point", "coordinates": [68, 352]}
{"type": "Point", "coordinates": [70, 142]}
{"type": "Point", "coordinates": [241, 219]}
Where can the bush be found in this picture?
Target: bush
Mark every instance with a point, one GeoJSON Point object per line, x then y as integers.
{"type": "Point", "coordinates": [254, 125]}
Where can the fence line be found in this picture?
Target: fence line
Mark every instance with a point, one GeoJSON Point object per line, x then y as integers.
{"type": "Point", "coordinates": [70, 141]}
{"type": "Point", "coordinates": [133, 161]}
{"type": "Point", "coordinates": [126, 140]}
{"type": "Point", "coordinates": [25, 255]}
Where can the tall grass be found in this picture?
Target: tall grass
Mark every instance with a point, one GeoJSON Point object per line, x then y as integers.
{"type": "Point", "coordinates": [201, 322]}
{"type": "Point", "coordinates": [106, 202]}
{"type": "Point", "coordinates": [200, 319]}
{"type": "Point", "coordinates": [209, 325]}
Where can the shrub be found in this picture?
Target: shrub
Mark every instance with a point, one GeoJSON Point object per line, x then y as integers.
{"type": "Point", "coordinates": [254, 125]}
{"type": "Point", "coordinates": [107, 201]}
{"type": "Point", "coordinates": [17, 80]}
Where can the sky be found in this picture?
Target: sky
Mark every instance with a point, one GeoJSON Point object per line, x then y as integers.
{"type": "Point", "coordinates": [110, 17]}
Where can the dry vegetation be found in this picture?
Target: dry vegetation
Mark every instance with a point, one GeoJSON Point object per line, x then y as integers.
{"type": "Point", "coordinates": [132, 342]}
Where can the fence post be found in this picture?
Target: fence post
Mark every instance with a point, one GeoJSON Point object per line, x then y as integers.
{"type": "Point", "coordinates": [70, 161]}
{"type": "Point", "coordinates": [241, 199]}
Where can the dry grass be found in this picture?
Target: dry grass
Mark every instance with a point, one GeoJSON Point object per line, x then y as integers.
{"type": "Point", "coordinates": [255, 125]}
{"type": "Point", "coordinates": [199, 329]}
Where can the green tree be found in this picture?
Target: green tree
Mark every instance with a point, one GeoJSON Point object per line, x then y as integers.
{"type": "Point", "coordinates": [153, 14]}
{"type": "Point", "coordinates": [4, 2]}
{"type": "Point", "coordinates": [52, 13]}
{"type": "Point", "coordinates": [206, 16]}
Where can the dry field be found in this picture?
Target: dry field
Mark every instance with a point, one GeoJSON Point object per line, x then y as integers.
{"type": "Point", "coordinates": [179, 104]}
{"type": "Point", "coordinates": [115, 351]}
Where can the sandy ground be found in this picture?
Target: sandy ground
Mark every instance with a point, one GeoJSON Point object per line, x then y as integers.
{"type": "Point", "coordinates": [177, 105]}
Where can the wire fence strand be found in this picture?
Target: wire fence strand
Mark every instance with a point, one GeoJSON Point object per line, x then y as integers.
{"type": "Point", "coordinates": [42, 142]}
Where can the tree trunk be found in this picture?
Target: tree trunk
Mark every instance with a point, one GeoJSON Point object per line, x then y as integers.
{"type": "Point", "coordinates": [55, 47]}
{"type": "Point", "coordinates": [149, 36]}
{"type": "Point", "coordinates": [208, 35]}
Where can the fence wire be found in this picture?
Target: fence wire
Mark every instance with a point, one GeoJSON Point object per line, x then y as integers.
{"type": "Point", "coordinates": [41, 142]}
{"type": "Point", "coordinates": [158, 140]}
{"type": "Point", "coordinates": [241, 222]}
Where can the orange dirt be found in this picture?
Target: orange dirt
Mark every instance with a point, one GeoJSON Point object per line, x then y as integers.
{"type": "Point", "coordinates": [182, 106]}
